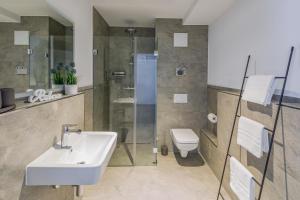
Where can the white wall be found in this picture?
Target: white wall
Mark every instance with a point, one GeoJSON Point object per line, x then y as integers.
{"type": "Point", "coordinates": [80, 12]}
{"type": "Point", "coordinates": [264, 28]}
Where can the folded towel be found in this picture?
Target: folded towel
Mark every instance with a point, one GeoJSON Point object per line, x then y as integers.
{"type": "Point", "coordinates": [252, 136]}
{"type": "Point", "coordinates": [259, 89]}
{"type": "Point", "coordinates": [241, 181]}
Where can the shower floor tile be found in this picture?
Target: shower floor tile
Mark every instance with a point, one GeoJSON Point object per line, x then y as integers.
{"type": "Point", "coordinates": [144, 155]}
{"type": "Point", "coordinates": [166, 181]}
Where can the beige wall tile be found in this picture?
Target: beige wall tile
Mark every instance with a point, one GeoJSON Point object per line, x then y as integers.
{"type": "Point", "coordinates": [283, 175]}
{"type": "Point", "coordinates": [27, 133]}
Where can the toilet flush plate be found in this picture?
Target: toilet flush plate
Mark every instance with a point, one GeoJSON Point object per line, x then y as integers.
{"type": "Point", "coordinates": [180, 98]}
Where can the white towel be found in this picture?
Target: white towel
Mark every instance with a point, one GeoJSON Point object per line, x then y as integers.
{"type": "Point", "coordinates": [259, 89]}
{"type": "Point", "coordinates": [241, 181]}
{"type": "Point", "coordinates": [252, 136]}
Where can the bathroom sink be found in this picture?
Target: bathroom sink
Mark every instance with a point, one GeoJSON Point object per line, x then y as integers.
{"type": "Point", "coordinates": [83, 164]}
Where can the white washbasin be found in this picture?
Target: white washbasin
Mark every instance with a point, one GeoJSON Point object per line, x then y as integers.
{"type": "Point", "coordinates": [83, 165]}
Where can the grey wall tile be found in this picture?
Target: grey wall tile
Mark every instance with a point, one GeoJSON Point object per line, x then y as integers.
{"type": "Point", "coordinates": [194, 83]}
{"type": "Point", "coordinates": [100, 97]}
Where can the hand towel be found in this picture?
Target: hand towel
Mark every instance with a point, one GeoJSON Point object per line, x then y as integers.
{"type": "Point", "coordinates": [259, 89]}
{"type": "Point", "coordinates": [252, 136]}
{"type": "Point", "coordinates": [241, 181]}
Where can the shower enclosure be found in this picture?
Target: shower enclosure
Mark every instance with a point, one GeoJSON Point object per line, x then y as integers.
{"type": "Point", "coordinates": [130, 73]}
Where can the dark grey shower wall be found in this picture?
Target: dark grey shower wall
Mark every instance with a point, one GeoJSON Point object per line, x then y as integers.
{"type": "Point", "coordinates": [99, 119]}
{"type": "Point", "coordinates": [144, 36]}
{"type": "Point", "coordinates": [140, 31]}
{"type": "Point", "coordinates": [113, 47]}
{"type": "Point", "coordinates": [194, 83]}
{"type": "Point", "coordinates": [69, 44]}
{"type": "Point", "coordinates": [58, 33]}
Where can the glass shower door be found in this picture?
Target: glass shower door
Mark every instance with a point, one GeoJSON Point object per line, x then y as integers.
{"type": "Point", "coordinates": [145, 109]}
{"type": "Point", "coordinates": [121, 83]}
{"type": "Point", "coordinates": [39, 76]}
{"type": "Point", "coordinates": [132, 71]}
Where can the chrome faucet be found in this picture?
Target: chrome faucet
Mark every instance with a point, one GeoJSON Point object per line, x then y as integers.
{"type": "Point", "coordinates": [65, 132]}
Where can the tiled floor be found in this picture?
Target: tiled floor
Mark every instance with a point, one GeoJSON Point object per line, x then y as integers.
{"type": "Point", "coordinates": [144, 138]}
{"type": "Point", "coordinates": [167, 181]}
{"type": "Point", "coordinates": [144, 155]}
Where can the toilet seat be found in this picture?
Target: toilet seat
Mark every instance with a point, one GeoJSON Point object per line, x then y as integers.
{"type": "Point", "coordinates": [184, 136]}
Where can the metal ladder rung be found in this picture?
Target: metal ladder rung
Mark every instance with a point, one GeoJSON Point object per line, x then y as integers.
{"type": "Point", "coordinates": [225, 199]}
{"type": "Point", "coordinates": [276, 77]}
{"type": "Point", "coordinates": [272, 131]}
{"type": "Point", "coordinates": [254, 179]}
{"type": "Point", "coordinates": [264, 128]}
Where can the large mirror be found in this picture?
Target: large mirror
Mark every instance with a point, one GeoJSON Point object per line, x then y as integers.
{"type": "Point", "coordinates": [33, 40]}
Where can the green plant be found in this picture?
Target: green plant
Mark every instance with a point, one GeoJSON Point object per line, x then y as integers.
{"type": "Point", "coordinates": [71, 78]}
{"type": "Point", "coordinates": [58, 74]}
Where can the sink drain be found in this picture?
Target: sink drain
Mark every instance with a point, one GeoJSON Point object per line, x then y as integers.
{"type": "Point", "coordinates": [81, 163]}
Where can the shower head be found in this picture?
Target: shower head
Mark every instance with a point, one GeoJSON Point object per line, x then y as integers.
{"type": "Point", "coordinates": [131, 31]}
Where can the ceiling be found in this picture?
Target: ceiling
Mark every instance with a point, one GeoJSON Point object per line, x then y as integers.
{"type": "Point", "coordinates": [205, 12]}
{"type": "Point", "coordinates": [139, 13]}
{"type": "Point", "coordinates": [142, 13]}
{"type": "Point", "coordinates": [11, 10]}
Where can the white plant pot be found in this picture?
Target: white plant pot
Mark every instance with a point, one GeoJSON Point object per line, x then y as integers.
{"type": "Point", "coordinates": [58, 87]}
{"type": "Point", "coordinates": [71, 89]}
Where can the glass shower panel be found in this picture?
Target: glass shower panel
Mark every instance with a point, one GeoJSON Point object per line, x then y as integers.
{"type": "Point", "coordinates": [39, 62]}
{"type": "Point", "coordinates": [145, 108]}
{"type": "Point", "coordinates": [60, 50]}
{"type": "Point", "coordinates": [101, 84]}
{"type": "Point", "coordinates": [132, 105]}
{"type": "Point", "coordinates": [121, 82]}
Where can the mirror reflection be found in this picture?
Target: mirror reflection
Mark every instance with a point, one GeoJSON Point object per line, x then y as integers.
{"type": "Point", "coordinates": [30, 46]}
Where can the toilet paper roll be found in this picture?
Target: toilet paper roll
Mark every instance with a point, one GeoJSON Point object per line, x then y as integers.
{"type": "Point", "coordinates": [212, 118]}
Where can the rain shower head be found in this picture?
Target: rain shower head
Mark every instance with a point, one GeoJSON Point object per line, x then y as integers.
{"type": "Point", "coordinates": [131, 31]}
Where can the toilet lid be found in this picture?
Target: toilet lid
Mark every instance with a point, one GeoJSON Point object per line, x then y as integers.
{"type": "Point", "coordinates": [186, 136]}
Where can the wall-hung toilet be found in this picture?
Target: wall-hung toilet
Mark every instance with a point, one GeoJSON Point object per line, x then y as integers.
{"type": "Point", "coordinates": [185, 140]}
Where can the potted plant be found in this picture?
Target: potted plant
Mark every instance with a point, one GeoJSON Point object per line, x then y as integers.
{"type": "Point", "coordinates": [71, 86]}
{"type": "Point", "coordinates": [58, 77]}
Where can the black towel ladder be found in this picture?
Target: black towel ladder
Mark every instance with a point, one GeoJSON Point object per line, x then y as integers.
{"type": "Point", "coordinates": [261, 185]}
